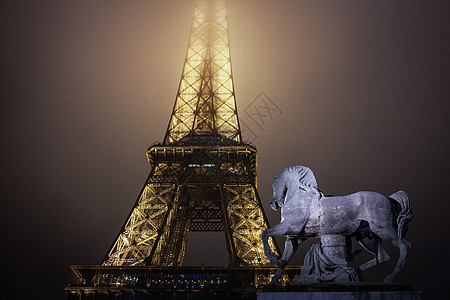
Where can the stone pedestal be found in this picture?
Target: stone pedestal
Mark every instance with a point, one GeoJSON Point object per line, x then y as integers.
{"type": "Point", "coordinates": [327, 262]}
{"type": "Point", "coordinates": [340, 296]}
{"type": "Point", "coordinates": [334, 248]}
{"type": "Point", "coordinates": [356, 291]}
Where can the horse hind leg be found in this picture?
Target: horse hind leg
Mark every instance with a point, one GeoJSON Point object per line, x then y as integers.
{"type": "Point", "coordinates": [404, 247]}
{"type": "Point", "coordinates": [373, 246]}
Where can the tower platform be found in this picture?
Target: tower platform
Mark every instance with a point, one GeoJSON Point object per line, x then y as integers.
{"type": "Point", "coordinates": [205, 282]}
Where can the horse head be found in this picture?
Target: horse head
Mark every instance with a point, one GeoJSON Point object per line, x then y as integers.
{"type": "Point", "coordinates": [297, 177]}
{"type": "Point", "coordinates": [279, 192]}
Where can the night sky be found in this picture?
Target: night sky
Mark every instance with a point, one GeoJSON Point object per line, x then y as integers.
{"type": "Point", "coordinates": [87, 86]}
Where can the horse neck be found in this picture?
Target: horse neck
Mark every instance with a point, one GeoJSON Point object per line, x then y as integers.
{"type": "Point", "coordinates": [294, 196]}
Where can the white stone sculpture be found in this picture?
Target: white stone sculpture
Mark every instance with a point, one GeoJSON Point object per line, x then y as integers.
{"type": "Point", "coordinates": [306, 212]}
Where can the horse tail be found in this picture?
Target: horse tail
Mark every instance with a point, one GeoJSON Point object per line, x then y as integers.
{"type": "Point", "coordinates": [405, 215]}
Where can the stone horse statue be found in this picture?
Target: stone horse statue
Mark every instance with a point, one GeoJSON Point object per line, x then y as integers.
{"type": "Point", "coordinates": [306, 212]}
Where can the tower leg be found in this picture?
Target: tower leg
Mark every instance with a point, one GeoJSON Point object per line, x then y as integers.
{"type": "Point", "coordinates": [246, 223]}
{"type": "Point", "coordinates": [142, 229]}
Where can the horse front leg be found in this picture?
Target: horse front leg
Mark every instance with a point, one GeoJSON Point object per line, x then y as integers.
{"type": "Point", "coordinates": [277, 230]}
{"type": "Point", "coordinates": [290, 246]}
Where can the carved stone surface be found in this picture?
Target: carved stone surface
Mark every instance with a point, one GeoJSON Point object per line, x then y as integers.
{"type": "Point", "coordinates": [306, 212]}
{"type": "Point", "coordinates": [326, 262]}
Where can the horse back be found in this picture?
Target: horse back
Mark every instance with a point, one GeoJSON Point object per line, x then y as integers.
{"type": "Point", "coordinates": [357, 201]}
{"type": "Point", "coordinates": [344, 213]}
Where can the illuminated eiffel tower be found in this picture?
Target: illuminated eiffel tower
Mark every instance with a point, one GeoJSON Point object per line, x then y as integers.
{"type": "Point", "coordinates": [203, 177]}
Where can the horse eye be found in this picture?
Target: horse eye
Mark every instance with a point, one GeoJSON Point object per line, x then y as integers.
{"type": "Point", "coordinates": [302, 188]}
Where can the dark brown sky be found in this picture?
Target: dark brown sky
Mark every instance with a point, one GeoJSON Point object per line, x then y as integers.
{"type": "Point", "coordinates": [88, 85]}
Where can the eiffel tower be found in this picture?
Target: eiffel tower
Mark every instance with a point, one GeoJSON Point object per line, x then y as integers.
{"type": "Point", "coordinates": [203, 177]}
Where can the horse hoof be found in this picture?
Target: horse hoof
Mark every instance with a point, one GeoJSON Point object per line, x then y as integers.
{"type": "Point", "coordinates": [389, 279]}
{"type": "Point", "coordinates": [360, 275]}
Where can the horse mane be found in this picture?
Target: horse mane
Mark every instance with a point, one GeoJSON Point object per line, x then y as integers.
{"type": "Point", "coordinates": [305, 178]}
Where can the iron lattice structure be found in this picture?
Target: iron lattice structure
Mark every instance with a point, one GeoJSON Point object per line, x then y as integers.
{"type": "Point", "coordinates": [205, 103]}
{"type": "Point", "coordinates": [203, 177]}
